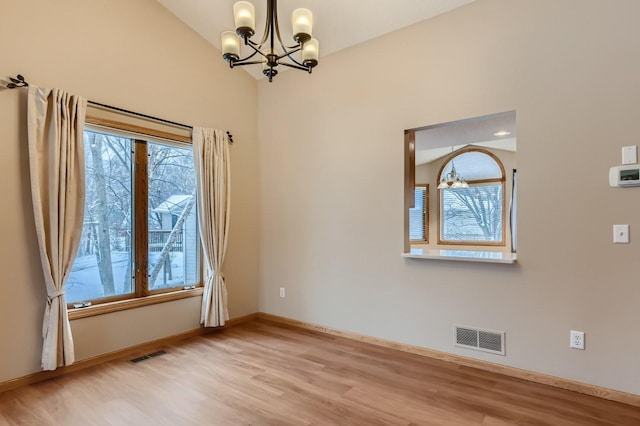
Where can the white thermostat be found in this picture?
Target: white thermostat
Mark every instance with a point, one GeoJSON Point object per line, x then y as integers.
{"type": "Point", "coordinates": [624, 175]}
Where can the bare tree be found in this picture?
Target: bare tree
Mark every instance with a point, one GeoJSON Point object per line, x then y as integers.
{"type": "Point", "coordinates": [484, 202]}
{"type": "Point", "coordinates": [103, 252]}
{"type": "Point", "coordinates": [108, 205]}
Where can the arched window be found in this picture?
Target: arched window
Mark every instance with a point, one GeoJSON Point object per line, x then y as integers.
{"type": "Point", "coordinates": [472, 204]}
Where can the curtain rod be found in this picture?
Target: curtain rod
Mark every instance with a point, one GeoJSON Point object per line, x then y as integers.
{"type": "Point", "coordinates": [19, 81]}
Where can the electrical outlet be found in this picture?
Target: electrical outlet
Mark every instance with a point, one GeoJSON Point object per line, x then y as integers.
{"type": "Point", "coordinates": [577, 340]}
{"type": "Point", "coordinates": [282, 292]}
{"type": "Point", "coordinates": [621, 234]}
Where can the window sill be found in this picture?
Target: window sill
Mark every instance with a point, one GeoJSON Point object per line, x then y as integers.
{"type": "Point", "coordinates": [462, 255]}
{"type": "Point", "coordinates": [122, 305]}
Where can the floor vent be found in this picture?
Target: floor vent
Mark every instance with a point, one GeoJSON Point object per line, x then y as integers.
{"type": "Point", "coordinates": [146, 357]}
{"type": "Point", "coordinates": [479, 339]}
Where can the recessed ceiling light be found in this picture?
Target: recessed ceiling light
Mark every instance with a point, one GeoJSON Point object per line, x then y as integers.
{"type": "Point", "coordinates": [502, 133]}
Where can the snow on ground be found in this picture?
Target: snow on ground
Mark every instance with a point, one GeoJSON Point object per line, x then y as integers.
{"type": "Point", "coordinates": [84, 282]}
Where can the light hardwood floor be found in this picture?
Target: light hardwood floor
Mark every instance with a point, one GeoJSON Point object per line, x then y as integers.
{"type": "Point", "coordinates": [262, 373]}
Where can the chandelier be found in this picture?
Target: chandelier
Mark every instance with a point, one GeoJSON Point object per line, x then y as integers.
{"type": "Point", "coordinates": [265, 51]}
{"type": "Point", "coordinates": [452, 179]}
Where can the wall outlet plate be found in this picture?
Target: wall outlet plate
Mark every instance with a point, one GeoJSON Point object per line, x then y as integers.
{"type": "Point", "coordinates": [576, 339]}
{"type": "Point", "coordinates": [621, 234]}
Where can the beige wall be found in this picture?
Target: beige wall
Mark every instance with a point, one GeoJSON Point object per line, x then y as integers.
{"type": "Point", "coordinates": [331, 185]}
{"type": "Point", "coordinates": [135, 55]}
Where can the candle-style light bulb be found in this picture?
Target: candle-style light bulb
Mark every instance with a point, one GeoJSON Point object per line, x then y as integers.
{"type": "Point", "coordinates": [245, 19]}
{"type": "Point", "coordinates": [302, 25]}
{"type": "Point", "coordinates": [230, 43]}
{"type": "Point", "coordinates": [310, 52]}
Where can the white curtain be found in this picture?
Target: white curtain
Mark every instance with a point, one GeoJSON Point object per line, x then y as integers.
{"type": "Point", "coordinates": [56, 159]}
{"type": "Point", "coordinates": [213, 181]}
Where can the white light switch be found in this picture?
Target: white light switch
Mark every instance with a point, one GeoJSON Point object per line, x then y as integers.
{"type": "Point", "coordinates": [629, 154]}
{"type": "Point", "coordinates": [621, 234]}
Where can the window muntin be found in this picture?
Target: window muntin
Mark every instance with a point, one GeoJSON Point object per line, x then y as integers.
{"type": "Point", "coordinates": [419, 215]}
{"type": "Point", "coordinates": [113, 261]}
{"type": "Point", "coordinates": [475, 215]}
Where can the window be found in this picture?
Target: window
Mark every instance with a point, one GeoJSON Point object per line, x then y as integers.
{"type": "Point", "coordinates": [419, 215]}
{"type": "Point", "coordinates": [139, 233]}
{"type": "Point", "coordinates": [474, 215]}
{"type": "Point", "coordinates": [471, 222]}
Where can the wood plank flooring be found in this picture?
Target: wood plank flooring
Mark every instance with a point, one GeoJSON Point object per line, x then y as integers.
{"type": "Point", "coordinates": [262, 373]}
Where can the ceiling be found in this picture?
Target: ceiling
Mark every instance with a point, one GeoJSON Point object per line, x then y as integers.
{"type": "Point", "coordinates": [439, 140]}
{"type": "Point", "coordinates": [337, 24]}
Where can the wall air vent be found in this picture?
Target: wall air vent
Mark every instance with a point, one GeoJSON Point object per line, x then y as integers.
{"type": "Point", "coordinates": [479, 339]}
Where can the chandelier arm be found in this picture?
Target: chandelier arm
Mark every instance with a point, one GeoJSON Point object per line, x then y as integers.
{"type": "Point", "coordinates": [239, 64]}
{"type": "Point", "coordinates": [256, 51]}
{"type": "Point", "coordinates": [289, 52]}
{"type": "Point", "coordinates": [298, 67]}
{"type": "Point", "coordinates": [282, 45]}
{"type": "Point", "coordinates": [295, 47]}
{"type": "Point", "coordinates": [268, 24]}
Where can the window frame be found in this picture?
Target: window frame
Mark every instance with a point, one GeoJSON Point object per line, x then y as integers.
{"type": "Point", "coordinates": [478, 182]}
{"type": "Point", "coordinates": [140, 133]}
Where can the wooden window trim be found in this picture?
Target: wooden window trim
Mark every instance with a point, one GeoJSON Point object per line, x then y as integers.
{"type": "Point", "coordinates": [141, 210]}
{"type": "Point", "coordinates": [140, 130]}
{"type": "Point", "coordinates": [409, 182]}
{"type": "Point", "coordinates": [129, 303]}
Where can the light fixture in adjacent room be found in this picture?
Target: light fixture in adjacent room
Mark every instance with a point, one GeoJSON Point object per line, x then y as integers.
{"type": "Point", "coordinates": [502, 133]}
{"type": "Point", "coordinates": [265, 52]}
{"type": "Point", "coordinates": [452, 179]}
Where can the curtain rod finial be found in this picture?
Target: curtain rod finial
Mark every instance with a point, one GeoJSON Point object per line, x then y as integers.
{"type": "Point", "coordinates": [17, 81]}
